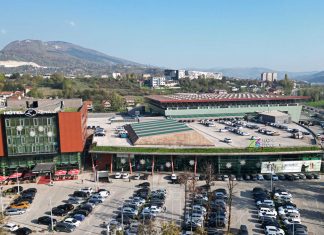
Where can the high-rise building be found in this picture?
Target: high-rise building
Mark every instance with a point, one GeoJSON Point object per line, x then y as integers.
{"type": "Point", "coordinates": [269, 77]}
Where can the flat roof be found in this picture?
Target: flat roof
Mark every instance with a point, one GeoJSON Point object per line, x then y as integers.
{"type": "Point", "coordinates": [212, 97]}
{"type": "Point", "coordinates": [159, 127]}
{"type": "Point", "coordinates": [274, 113]}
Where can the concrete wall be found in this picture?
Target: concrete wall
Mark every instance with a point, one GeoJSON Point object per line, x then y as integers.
{"type": "Point", "coordinates": [294, 111]}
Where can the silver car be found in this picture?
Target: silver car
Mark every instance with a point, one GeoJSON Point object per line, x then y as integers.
{"type": "Point", "coordinates": [14, 211]}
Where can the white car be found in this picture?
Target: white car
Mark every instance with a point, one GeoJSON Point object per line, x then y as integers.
{"type": "Point", "coordinates": [272, 214]}
{"type": "Point", "coordinates": [281, 195]}
{"type": "Point", "coordinates": [227, 140]}
{"type": "Point", "coordinates": [266, 202]}
{"type": "Point", "coordinates": [272, 230]}
{"type": "Point", "coordinates": [103, 193]}
{"type": "Point", "coordinates": [137, 176]}
{"type": "Point", "coordinates": [88, 190]}
{"type": "Point", "coordinates": [129, 210]}
{"type": "Point", "coordinates": [72, 221]}
{"type": "Point", "coordinates": [265, 209]}
{"type": "Point", "coordinates": [155, 209]}
{"type": "Point", "coordinates": [125, 175]}
{"type": "Point", "coordinates": [223, 130]}
{"type": "Point", "coordinates": [117, 175]}
{"type": "Point", "coordinates": [10, 227]}
{"type": "Point", "coordinates": [173, 177]}
{"type": "Point", "coordinates": [200, 208]}
{"type": "Point", "coordinates": [292, 221]}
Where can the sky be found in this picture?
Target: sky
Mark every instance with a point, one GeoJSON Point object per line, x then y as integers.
{"type": "Point", "coordinates": [277, 34]}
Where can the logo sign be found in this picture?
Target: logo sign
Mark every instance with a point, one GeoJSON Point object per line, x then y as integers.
{"type": "Point", "coordinates": [30, 113]}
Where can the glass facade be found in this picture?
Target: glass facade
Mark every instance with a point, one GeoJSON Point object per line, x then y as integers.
{"type": "Point", "coordinates": [237, 164]}
{"type": "Point", "coordinates": [65, 161]}
{"type": "Point", "coordinates": [31, 135]}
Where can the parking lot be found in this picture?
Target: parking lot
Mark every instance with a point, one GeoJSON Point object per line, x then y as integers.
{"type": "Point", "coordinates": [307, 194]}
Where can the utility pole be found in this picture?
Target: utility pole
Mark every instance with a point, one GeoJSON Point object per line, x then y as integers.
{"type": "Point", "coordinates": [18, 181]}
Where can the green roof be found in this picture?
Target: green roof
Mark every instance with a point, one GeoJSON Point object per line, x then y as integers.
{"type": "Point", "coordinates": [158, 127]}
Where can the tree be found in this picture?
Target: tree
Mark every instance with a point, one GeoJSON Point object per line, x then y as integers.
{"type": "Point", "coordinates": [230, 185]}
{"type": "Point", "coordinates": [170, 228]}
{"type": "Point", "coordinates": [148, 228]}
{"type": "Point", "coordinates": [287, 85]}
{"type": "Point", "coordinates": [200, 231]}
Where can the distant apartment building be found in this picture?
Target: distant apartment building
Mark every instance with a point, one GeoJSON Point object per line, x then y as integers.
{"type": "Point", "coordinates": [269, 77]}
{"type": "Point", "coordinates": [171, 74]}
{"type": "Point", "coordinates": [200, 74]}
{"type": "Point", "coordinates": [116, 75]}
{"type": "Point", "coordinates": [157, 81]}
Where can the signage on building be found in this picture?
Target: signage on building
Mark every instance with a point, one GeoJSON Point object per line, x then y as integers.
{"type": "Point", "coordinates": [291, 166]}
{"type": "Point", "coordinates": [30, 113]}
{"type": "Point", "coordinates": [124, 155]}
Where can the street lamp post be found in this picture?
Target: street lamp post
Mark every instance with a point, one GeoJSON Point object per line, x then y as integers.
{"type": "Point", "coordinates": [1, 201]}
{"type": "Point", "coordinates": [50, 201]}
{"type": "Point", "coordinates": [17, 180]}
{"type": "Point", "coordinates": [271, 165]}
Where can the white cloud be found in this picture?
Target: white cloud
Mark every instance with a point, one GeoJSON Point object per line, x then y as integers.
{"type": "Point", "coordinates": [3, 31]}
{"type": "Point", "coordinates": [71, 23]}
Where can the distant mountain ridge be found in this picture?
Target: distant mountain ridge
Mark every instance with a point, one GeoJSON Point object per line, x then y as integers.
{"type": "Point", "coordinates": [314, 78]}
{"type": "Point", "coordinates": [62, 55]}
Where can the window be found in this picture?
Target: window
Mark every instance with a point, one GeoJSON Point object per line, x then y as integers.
{"type": "Point", "coordinates": [20, 149]}
{"type": "Point", "coordinates": [49, 121]}
{"type": "Point", "coordinates": [33, 148]}
{"type": "Point", "coordinates": [23, 140]}
{"type": "Point", "coordinates": [7, 122]}
{"type": "Point", "coordinates": [18, 132]}
{"type": "Point", "coordinates": [21, 122]}
{"type": "Point", "coordinates": [46, 148]}
{"type": "Point", "coordinates": [9, 140]}
{"type": "Point", "coordinates": [50, 139]}
{"type": "Point", "coordinates": [36, 139]}
{"type": "Point", "coordinates": [35, 121]}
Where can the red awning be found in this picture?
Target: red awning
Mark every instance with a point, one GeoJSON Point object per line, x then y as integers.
{"type": "Point", "coordinates": [60, 172]}
{"type": "Point", "coordinates": [73, 172]}
{"type": "Point", "coordinates": [3, 178]}
{"type": "Point", "coordinates": [15, 175]}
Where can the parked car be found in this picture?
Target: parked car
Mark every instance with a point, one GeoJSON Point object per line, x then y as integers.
{"type": "Point", "coordinates": [125, 175]}
{"type": "Point", "coordinates": [66, 207]}
{"type": "Point", "coordinates": [64, 227]}
{"type": "Point", "coordinates": [23, 231]}
{"type": "Point", "coordinates": [11, 227]}
{"type": "Point", "coordinates": [79, 217]}
{"type": "Point", "coordinates": [72, 221]}
{"type": "Point", "coordinates": [243, 230]}
{"type": "Point", "coordinates": [14, 211]}
{"type": "Point", "coordinates": [87, 190]}
{"type": "Point", "coordinates": [137, 176]}
{"type": "Point", "coordinates": [227, 140]}
{"type": "Point", "coordinates": [46, 220]}
{"type": "Point", "coordinates": [21, 205]}
{"type": "Point", "coordinates": [103, 192]}
{"type": "Point", "coordinates": [117, 175]}
{"type": "Point", "coordinates": [260, 177]}
{"type": "Point", "coordinates": [59, 212]}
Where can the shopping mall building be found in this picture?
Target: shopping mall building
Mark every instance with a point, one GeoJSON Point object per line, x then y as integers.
{"type": "Point", "coordinates": [42, 131]}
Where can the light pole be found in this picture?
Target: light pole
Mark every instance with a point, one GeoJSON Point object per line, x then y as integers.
{"type": "Point", "coordinates": [50, 201]}
{"type": "Point", "coordinates": [1, 201]}
{"type": "Point", "coordinates": [17, 180]}
{"type": "Point", "coordinates": [271, 165]}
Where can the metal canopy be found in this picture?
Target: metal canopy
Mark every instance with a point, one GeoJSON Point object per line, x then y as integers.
{"type": "Point", "coordinates": [44, 167]}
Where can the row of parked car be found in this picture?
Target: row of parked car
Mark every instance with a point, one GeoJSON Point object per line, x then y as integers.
{"type": "Point", "coordinates": [277, 213]}
{"type": "Point", "coordinates": [143, 207]}
{"type": "Point", "coordinates": [78, 206]}
{"type": "Point", "coordinates": [275, 177]}
{"type": "Point", "coordinates": [19, 206]}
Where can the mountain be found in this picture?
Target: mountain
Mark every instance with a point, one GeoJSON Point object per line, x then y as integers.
{"type": "Point", "coordinates": [255, 73]}
{"type": "Point", "coordinates": [58, 55]}
{"type": "Point", "coordinates": [313, 78]}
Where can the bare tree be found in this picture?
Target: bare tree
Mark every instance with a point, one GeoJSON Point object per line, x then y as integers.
{"type": "Point", "coordinates": [230, 185]}
{"type": "Point", "coordinates": [210, 174]}
{"type": "Point", "coordinates": [170, 228]}
{"type": "Point", "coordinates": [148, 228]}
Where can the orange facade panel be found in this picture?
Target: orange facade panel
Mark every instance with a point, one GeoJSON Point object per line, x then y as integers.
{"type": "Point", "coordinates": [72, 127]}
{"type": "Point", "coordinates": [2, 151]}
